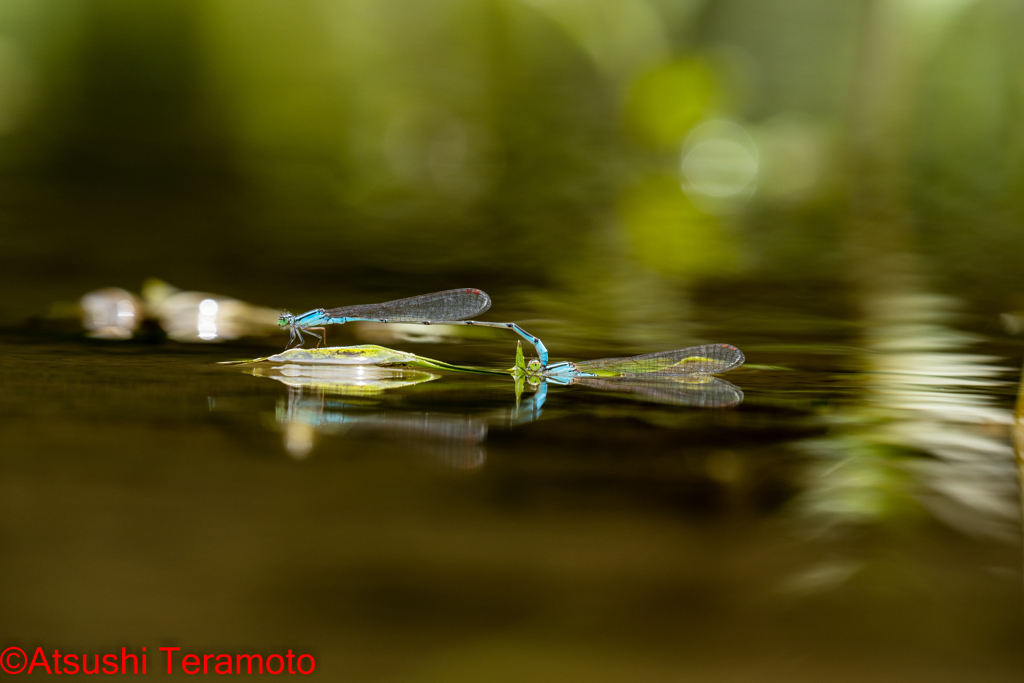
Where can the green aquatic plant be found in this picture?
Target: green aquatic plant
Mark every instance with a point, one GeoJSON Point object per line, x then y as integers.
{"type": "Point", "coordinates": [519, 373]}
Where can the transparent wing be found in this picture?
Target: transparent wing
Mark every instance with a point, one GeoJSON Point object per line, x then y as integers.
{"type": "Point", "coordinates": [708, 359]}
{"type": "Point", "coordinates": [452, 304]}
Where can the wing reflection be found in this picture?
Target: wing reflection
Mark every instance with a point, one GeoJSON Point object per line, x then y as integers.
{"type": "Point", "coordinates": [708, 393]}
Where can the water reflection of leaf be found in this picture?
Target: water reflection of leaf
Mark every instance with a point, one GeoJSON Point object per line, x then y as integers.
{"type": "Point", "coordinates": [342, 380]}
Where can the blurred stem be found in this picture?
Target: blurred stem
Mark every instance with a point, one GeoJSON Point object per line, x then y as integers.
{"type": "Point", "coordinates": [1018, 446]}
{"type": "Point", "coordinates": [880, 111]}
{"type": "Point", "coordinates": [897, 38]}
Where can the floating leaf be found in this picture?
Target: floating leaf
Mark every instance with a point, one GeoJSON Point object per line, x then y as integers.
{"type": "Point", "coordinates": [365, 354]}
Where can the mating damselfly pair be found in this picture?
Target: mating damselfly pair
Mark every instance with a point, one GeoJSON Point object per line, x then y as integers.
{"type": "Point", "coordinates": [454, 306]}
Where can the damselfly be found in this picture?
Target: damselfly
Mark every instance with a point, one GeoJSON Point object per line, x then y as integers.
{"type": "Point", "coordinates": [450, 307]}
{"type": "Point", "coordinates": [694, 362]}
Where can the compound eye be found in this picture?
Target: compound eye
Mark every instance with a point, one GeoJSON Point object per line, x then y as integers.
{"type": "Point", "coordinates": [534, 365]}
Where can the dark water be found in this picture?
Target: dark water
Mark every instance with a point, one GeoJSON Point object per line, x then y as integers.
{"type": "Point", "coordinates": [855, 517]}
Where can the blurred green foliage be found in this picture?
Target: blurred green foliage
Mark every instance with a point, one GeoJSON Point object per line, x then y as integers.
{"type": "Point", "coordinates": [327, 148]}
{"type": "Point", "coordinates": [671, 236]}
{"type": "Point", "coordinates": [669, 100]}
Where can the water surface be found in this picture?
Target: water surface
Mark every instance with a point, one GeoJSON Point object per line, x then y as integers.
{"type": "Point", "coordinates": [856, 515]}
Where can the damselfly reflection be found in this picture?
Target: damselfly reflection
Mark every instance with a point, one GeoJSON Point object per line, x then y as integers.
{"type": "Point", "coordinates": [452, 440]}
{"type": "Point", "coordinates": [345, 400]}
{"type": "Point", "coordinates": [332, 393]}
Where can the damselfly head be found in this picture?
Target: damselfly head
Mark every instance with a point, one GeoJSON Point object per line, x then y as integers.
{"type": "Point", "coordinates": [285, 320]}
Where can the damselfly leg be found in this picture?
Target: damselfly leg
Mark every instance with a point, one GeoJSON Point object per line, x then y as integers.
{"type": "Point", "coordinates": [321, 339]}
